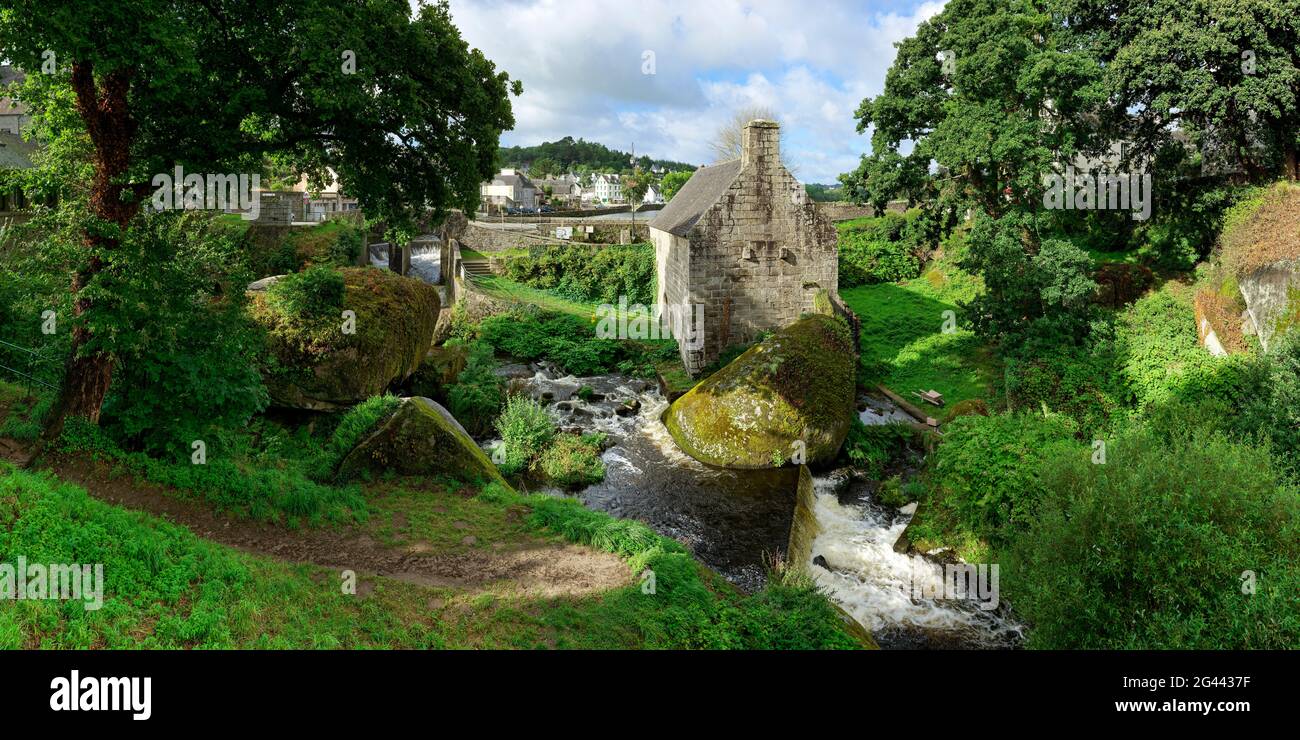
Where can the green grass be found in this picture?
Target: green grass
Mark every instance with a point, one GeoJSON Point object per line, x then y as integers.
{"type": "Point", "coordinates": [167, 588]}
{"type": "Point", "coordinates": [508, 290]}
{"type": "Point", "coordinates": [267, 490]}
{"type": "Point", "coordinates": [22, 413]}
{"type": "Point", "coordinates": [903, 345]}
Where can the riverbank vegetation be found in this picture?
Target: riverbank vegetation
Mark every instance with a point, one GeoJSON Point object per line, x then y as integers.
{"type": "Point", "coordinates": [1137, 490]}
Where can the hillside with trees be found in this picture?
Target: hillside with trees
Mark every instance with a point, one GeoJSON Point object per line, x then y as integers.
{"type": "Point", "coordinates": [580, 155]}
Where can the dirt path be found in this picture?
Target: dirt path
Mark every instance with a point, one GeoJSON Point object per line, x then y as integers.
{"type": "Point", "coordinates": [536, 568]}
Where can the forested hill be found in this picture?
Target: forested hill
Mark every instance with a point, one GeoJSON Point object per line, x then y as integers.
{"type": "Point", "coordinates": [567, 154]}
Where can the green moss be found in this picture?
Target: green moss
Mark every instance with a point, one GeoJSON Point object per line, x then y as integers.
{"type": "Point", "coordinates": [317, 364]}
{"type": "Point", "coordinates": [420, 439]}
{"type": "Point", "coordinates": [795, 386]}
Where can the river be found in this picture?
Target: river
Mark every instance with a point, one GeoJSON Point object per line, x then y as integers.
{"type": "Point", "coordinates": [736, 520]}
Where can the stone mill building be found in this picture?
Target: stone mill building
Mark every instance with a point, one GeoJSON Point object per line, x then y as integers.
{"type": "Point", "coordinates": [742, 241]}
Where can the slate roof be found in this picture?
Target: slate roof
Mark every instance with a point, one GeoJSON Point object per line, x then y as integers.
{"type": "Point", "coordinates": [700, 192]}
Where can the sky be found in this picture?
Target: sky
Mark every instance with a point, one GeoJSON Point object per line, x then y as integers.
{"type": "Point", "coordinates": [664, 75]}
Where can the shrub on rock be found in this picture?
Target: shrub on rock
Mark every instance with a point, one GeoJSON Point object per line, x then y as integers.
{"type": "Point", "coordinates": [322, 358]}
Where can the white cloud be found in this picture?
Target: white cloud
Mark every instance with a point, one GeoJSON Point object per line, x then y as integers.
{"type": "Point", "coordinates": [581, 65]}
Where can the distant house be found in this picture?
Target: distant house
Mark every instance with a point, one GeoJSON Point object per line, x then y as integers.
{"type": "Point", "coordinates": [14, 117]}
{"type": "Point", "coordinates": [15, 153]}
{"type": "Point", "coordinates": [653, 196]}
{"type": "Point", "coordinates": [607, 189]}
{"type": "Point", "coordinates": [319, 205]}
{"type": "Point", "coordinates": [743, 241]}
{"type": "Point", "coordinates": [509, 189]}
{"type": "Point", "coordinates": [561, 191]}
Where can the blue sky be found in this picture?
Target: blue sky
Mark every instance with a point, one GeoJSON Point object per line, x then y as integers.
{"type": "Point", "coordinates": [582, 64]}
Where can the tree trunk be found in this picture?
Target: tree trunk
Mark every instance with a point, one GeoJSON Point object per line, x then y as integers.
{"type": "Point", "coordinates": [104, 109]}
{"type": "Point", "coordinates": [1291, 163]}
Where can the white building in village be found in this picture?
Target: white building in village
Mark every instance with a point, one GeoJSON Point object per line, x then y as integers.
{"type": "Point", "coordinates": [509, 189]}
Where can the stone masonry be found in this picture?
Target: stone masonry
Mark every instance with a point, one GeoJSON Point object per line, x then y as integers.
{"type": "Point", "coordinates": [743, 240]}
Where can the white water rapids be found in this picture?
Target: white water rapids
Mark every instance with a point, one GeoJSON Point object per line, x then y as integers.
{"type": "Point", "coordinates": [731, 518]}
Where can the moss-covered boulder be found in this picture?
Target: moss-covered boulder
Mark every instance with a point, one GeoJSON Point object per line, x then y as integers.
{"type": "Point", "coordinates": [337, 337]}
{"type": "Point", "coordinates": [1260, 252]}
{"type": "Point", "coordinates": [420, 438]}
{"type": "Point", "coordinates": [438, 371]}
{"type": "Point", "coordinates": [797, 385]}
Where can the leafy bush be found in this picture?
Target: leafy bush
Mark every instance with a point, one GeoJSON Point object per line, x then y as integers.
{"type": "Point", "coordinates": [1162, 360]}
{"type": "Point", "coordinates": [986, 471]}
{"type": "Point", "coordinates": [188, 366]}
{"type": "Point", "coordinates": [1149, 550]}
{"type": "Point", "coordinates": [565, 340]}
{"type": "Point", "coordinates": [1037, 297]}
{"type": "Point", "coordinates": [573, 460]}
{"type": "Point", "coordinates": [877, 446]}
{"type": "Point", "coordinates": [478, 394]}
{"type": "Point", "coordinates": [1081, 382]}
{"type": "Point", "coordinates": [884, 249]}
{"type": "Point", "coordinates": [589, 273]}
{"type": "Point", "coordinates": [313, 294]}
{"type": "Point", "coordinates": [526, 429]}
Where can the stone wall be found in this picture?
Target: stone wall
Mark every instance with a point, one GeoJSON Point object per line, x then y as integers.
{"type": "Point", "coordinates": [758, 257]}
{"type": "Point", "coordinates": [485, 239]}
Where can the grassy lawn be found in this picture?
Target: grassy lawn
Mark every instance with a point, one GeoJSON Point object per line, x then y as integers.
{"type": "Point", "coordinates": [903, 345]}
{"type": "Point", "coordinates": [508, 290]}
{"type": "Point", "coordinates": [167, 588]}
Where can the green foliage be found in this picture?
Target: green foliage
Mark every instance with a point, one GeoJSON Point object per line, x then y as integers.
{"type": "Point", "coordinates": [876, 447]}
{"type": "Point", "coordinates": [822, 193]}
{"type": "Point", "coordinates": [883, 249]}
{"type": "Point", "coordinates": [526, 429]}
{"type": "Point", "coordinates": [587, 272]}
{"type": "Point", "coordinates": [673, 182]}
{"type": "Point", "coordinates": [478, 394]}
{"type": "Point", "coordinates": [256, 491]}
{"type": "Point", "coordinates": [1081, 382]}
{"type": "Point", "coordinates": [22, 414]}
{"type": "Point", "coordinates": [1273, 410]}
{"type": "Point", "coordinates": [1149, 550]}
{"type": "Point", "coordinates": [565, 340]}
{"type": "Point", "coordinates": [310, 296]}
{"type": "Point", "coordinates": [1039, 300]}
{"type": "Point", "coordinates": [1163, 361]}
{"type": "Point", "coordinates": [573, 460]}
{"type": "Point", "coordinates": [985, 474]}
{"type": "Point", "coordinates": [570, 155]}
{"type": "Point", "coordinates": [413, 72]}
{"type": "Point", "coordinates": [190, 367]}
{"type": "Point", "coordinates": [359, 421]}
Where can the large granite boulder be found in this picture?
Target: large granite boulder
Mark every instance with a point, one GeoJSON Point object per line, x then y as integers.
{"type": "Point", "coordinates": [420, 438]}
{"type": "Point", "coordinates": [439, 370]}
{"type": "Point", "coordinates": [1261, 253]}
{"type": "Point", "coordinates": [797, 385]}
{"type": "Point", "coordinates": [331, 360]}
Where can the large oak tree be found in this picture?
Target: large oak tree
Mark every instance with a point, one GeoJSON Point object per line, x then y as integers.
{"type": "Point", "coordinates": [390, 98]}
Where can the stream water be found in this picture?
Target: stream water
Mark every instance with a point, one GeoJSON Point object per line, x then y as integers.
{"type": "Point", "coordinates": [734, 520]}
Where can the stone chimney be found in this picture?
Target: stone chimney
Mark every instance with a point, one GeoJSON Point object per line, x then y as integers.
{"type": "Point", "coordinates": [761, 144]}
